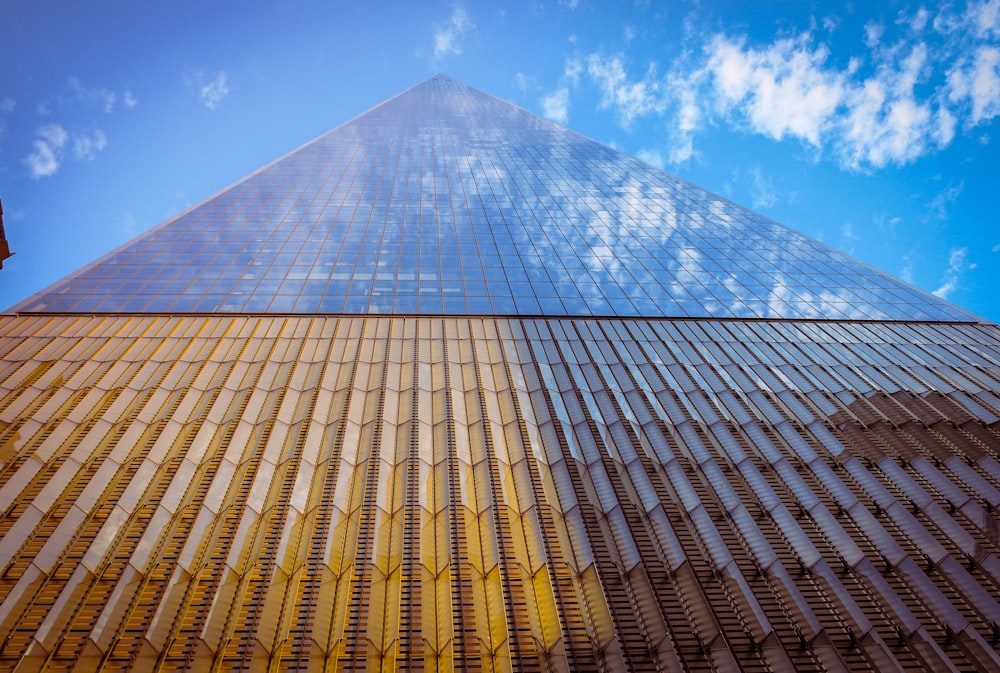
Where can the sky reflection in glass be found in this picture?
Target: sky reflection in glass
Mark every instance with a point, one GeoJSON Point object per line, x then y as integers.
{"type": "Point", "coordinates": [447, 200]}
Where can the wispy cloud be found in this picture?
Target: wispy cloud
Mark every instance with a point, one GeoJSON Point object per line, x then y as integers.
{"type": "Point", "coordinates": [93, 96]}
{"type": "Point", "coordinates": [790, 89]}
{"type": "Point", "coordinates": [762, 191]}
{"type": "Point", "coordinates": [130, 227]}
{"type": "Point", "coordinates": [909, 88]}
{"type": "Point", "coordinates": [47, 149]}
{"type": "Point", "coordinates": [449, 35]}
{"type": "Point", "coordinates": [54, 144]}
{"type": "Point", "coordinates": [87, 145]}
{"type": "Point", "coordinates": [758, 185]}
{"type": "Point", "coordinates": [938, 206]}
{"type": "Point", "coordinates": [555, 106]}
{"type": "Point", "coordinates": [849, 237]}
{"type": "Point", "coordinates": [211, 90]}
{"type": "Point", "coordinates": [524, 82]}
{"type": "Point", "coordinates": [906, 273]}
{"type": "Point", "coordinates": [651, 157]}
{"type": "Point", "coordinates": [976, 81]}
{"type": "Point", "coordinates": [7, 106]}
{"type": "Point", "coordinates": [630, 98]}
{"type": "Point", "coordinates": [782, 89]}
{"type": "Point", "coordinates": [958, 264]}
{"type": "Point", "coordinates": [81, 96]}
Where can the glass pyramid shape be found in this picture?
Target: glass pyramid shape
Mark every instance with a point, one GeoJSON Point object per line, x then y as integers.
{"type": "Point", "coordinates": [446, 200]}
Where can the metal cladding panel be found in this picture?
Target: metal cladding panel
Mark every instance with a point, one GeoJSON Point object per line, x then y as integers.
{"type": "Point", "coordinates": [417, 493]}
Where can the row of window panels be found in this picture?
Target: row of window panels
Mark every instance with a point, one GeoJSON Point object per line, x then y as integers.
{"type": "Point", "coordinates": [939, 345]}
{"type": "Point", "coordinates": [487, 248]}
{"type": "Point", "coordinates": [365, 230]}
{"type": "Point", "coordinates": [279, 170]}
{"type": "Point", "coordinates": [477, 305]}
{"type": "Point", "coordinates": [515, 264]}
{"type": "Point", "coordinates": [552, 285]}
{"type": "Point", "coordinates": [403, 272]}
{"type": "Point", "coordinates": [457, 195]}
{"type": "Point", "coordinates": [448, 279]}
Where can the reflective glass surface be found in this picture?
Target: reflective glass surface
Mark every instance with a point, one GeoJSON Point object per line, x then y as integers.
{"type": "Point", "coordinates": [446, 200]}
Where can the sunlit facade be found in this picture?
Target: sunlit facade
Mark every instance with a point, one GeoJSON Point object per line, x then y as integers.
{"type": "Point", "coordinates": [454, 388]}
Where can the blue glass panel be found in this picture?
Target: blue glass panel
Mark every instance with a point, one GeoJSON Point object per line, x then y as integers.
{"type": "Point", "coordinates": [503, 212]}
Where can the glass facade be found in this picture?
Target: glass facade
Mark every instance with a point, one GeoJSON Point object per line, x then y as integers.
{"type": "Point", "coordinates": [445, 200]}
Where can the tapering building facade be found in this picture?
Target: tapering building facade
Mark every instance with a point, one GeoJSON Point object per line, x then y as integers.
{"type": "Point", "coordinates": [454, 388]}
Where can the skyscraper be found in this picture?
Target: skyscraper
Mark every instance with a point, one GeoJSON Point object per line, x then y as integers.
{"type": "Point", "coordinates": [453, 387]}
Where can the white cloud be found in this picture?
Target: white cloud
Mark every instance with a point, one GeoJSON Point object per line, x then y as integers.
{"type": "Point", "coordinates": [918, 22]}
{"type": "Point", "coordinates": [892, 106]}
{"type": "Point", "coordinates": [631, 99]}
{"type": "Point", "coordinates": [958, 264]}
{"type": "Point", "coordinates": [651, 157]}
{"type": "Point", "coordinates": [908, 89]}
{"type": "Point", "coordinates": [211, 92]}
{"type": "Point", "coordinates": [938, 206]}
{"type": "Point", "coordinates": [449, 36]}
{"type": "Point", "coordinates": [688, 117]}
{"type": "Point", "coordinates": [847, 231]}
{"type": "Point", "coordinates": [906, 273]}
{"type": "Point", "coordinates": [883, 130]}
{"type": "Point", "coordinates": [77, 95]}
{"type": "Point", "coordinates": [93, 96]}
{"type": "Point", "coordinates": [762, 189]}
{"type": "Point", "coordinates": [986, 17]}
{"type": "Point", "coordinates": [524, 82]}
{"type": "Point", "coordinates": [555, 106]}
{"type": "Point", "coordinates": [130, 227]}
{"type": "Point", "coordinates": [87, 145]}
{"type": "Point", "coordinates": [569, 4]}
{"type": "Point", "coordinates": [995, 248]}
{"type": "Point", "coordinates": [573, 70]}
{"type": "Point", "coordinates": [978, 81]}
{"type": "Point", "coordinates": [784, 89]}
{"type": "Point", "coordinates": [7, 105]}
{"type": "Point", "coordinates": [54, 144]}
{"type": "Point", "coordinates": [47, 150]}
{"type": "Point", "coordinates": [873, 34]}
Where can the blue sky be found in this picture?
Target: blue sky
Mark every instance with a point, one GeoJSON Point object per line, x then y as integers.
{"type": "Point", "coordinates": [869, 126]}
